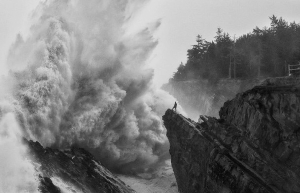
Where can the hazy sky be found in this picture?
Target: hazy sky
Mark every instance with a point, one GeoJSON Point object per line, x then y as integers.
{"type": "Point", "coordinates": [181, 20]}
{"type": "Point", "coordinates": [14, 18]}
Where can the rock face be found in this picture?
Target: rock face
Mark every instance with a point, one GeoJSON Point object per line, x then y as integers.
{"type": "Point", "coordinates": [253, 147]}
{"type": "Point", "coordinates": [74, 170]}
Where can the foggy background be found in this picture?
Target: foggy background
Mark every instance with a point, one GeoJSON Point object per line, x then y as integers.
{"type": "Point", "coordinates": [181, 22]}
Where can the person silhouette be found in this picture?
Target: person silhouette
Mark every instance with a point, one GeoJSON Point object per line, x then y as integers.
{"type": "Point", "coordinates": [175, 106]}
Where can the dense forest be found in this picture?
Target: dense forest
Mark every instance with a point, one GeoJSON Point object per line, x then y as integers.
{"type": "Point", "coordinates": [263, 52]}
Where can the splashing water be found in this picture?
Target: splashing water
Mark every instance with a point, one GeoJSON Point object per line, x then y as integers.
{"type": "Point", "coordinates": [17, 174]}
{"type": "Point", "coordinates": [81, 79]}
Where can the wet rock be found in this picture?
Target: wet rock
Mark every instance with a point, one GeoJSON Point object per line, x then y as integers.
{"type": "Point", "coordinates": [74, 169]}
{"type": "Point", "coordinates": [47, 186]}
{"type": "Point", "coordinates": [253, 147]}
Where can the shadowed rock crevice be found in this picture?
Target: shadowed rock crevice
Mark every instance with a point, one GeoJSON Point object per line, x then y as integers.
{"type": "Point", "coordinates": [253, 147]}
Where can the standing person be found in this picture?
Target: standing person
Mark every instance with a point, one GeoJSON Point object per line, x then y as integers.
{"type": "Point", "coordinates": [175, 106]}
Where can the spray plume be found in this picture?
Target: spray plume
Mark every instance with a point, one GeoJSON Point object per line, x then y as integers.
{"type": "Point", "coordinates": [17, 173]}
{"type": "Point", "coordinates": [81, 79]}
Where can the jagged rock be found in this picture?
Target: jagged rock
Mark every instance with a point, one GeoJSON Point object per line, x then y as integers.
{"type": "Point", "coordinates": [74, 169]}
{"type": "Point", "coordinates": [47, 186]}
{"type": "Point", "coordinates": [253, 147]}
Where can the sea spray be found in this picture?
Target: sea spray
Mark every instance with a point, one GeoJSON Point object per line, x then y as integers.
{"type": "Point", "coordinates": [17, 173]}
{"type": "Point", "coordinates": [81, 79]}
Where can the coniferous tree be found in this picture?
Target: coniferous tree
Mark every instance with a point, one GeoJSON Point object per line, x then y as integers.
{"type": "Point", "coordinates": [263, 52]}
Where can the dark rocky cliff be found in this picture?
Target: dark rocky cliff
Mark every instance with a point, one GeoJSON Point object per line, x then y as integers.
{"type": "Point", "coordinates": [253, 147]}
{"type": "Point", "coordinates": [74, 170]}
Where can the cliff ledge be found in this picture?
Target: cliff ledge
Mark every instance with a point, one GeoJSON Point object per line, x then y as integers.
{"type": "Point", "coordinates": [253, 147]}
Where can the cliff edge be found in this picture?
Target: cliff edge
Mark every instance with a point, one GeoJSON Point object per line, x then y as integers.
{"type": "Point", "coordinates": [201, 96]}
{"type": "Point", "coordinates": [253, 147]}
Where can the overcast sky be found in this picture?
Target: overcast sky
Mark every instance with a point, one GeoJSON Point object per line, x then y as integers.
{"type": "Point", "coordinates": [181, 20]}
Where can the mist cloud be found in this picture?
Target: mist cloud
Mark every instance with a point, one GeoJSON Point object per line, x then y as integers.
{"type": "Point", "coordinates": [80, 79]}
{"type": "Point", "coordinates": [17, 173]}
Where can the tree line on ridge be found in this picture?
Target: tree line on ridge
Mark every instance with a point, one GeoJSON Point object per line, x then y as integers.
{"type": "Point", "coordinates": [264, 52]}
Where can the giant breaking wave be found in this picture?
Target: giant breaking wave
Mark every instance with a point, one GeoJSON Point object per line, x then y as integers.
{"type": "Point", "coordinates": [80, 78]}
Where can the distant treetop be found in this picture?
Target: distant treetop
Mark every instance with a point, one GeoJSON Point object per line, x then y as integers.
{"type": "Point", "coordinates": [263, 52]}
